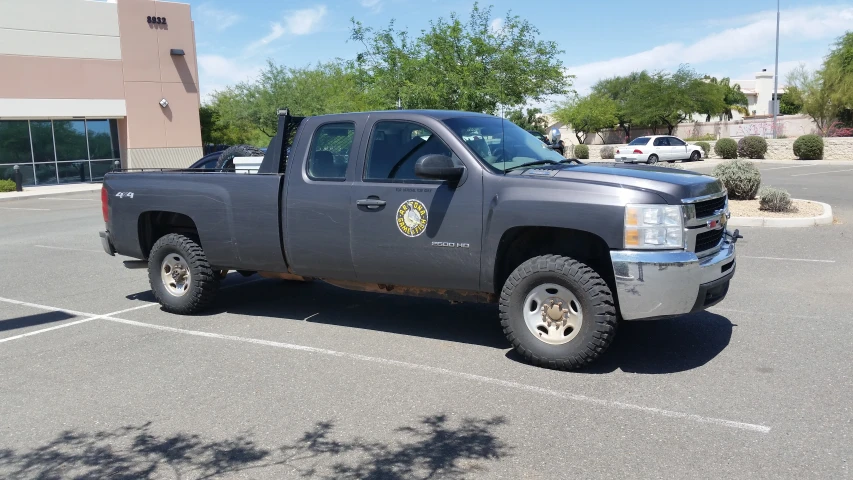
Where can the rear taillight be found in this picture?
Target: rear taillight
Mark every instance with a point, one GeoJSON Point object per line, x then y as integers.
{"type": "Point", "coordinates": [105, 209]}
{"type": "Point", "coordinates": [638, 151]}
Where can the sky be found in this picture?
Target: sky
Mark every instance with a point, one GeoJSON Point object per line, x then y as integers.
{"type": "Point", "coordinates": [600, 39]}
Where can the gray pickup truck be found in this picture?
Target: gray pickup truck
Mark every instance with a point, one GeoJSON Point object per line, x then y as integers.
{"type": "Point", "coordinates": [460, 206]}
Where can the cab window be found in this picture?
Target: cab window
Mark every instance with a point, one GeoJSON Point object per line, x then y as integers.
{"type": "Point", "coordinates": [395, 147]}
{"type": "Point", "coordinates": [330, 151]}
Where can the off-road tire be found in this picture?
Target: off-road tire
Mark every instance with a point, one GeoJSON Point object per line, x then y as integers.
{"type": "Point", "coordinates": [599, 312]}
{"type": "Point", "coordinates": [226, 158]}
{"type": "Point", "coordinates": [653, 159]}
{"type": "Point", "coordinates": [204, 281]}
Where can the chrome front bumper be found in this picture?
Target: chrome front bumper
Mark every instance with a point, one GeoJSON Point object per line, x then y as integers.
{"type": "Point", "coordinates": [665, 284]}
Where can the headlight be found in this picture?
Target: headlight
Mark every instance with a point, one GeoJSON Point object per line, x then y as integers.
{"type": "Point", "coordinates": [654, 226]}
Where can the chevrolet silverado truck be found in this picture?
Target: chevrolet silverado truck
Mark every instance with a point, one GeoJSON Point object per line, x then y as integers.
{"type": "Point", "coordinates": [455, 205]}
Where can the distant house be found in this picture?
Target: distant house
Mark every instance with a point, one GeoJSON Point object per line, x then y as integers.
{"type": "Point", "coordinates": [759, 92]}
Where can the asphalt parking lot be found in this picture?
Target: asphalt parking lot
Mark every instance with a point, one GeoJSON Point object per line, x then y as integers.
{"type": "Point", "coordinates": [286, 380]}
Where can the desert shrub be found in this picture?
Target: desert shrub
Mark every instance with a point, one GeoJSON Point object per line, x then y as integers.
{"type": "Point", "coordinates": [751, 147]}
{"type": "Point", "coordinates": [581, 152]}
{"type": "Point", "coordinates": [726, 148]}
{"type": "Point", "coordinates": [740, 177]}
{"type": "Point", "coordinates": [708, 137]}
{"type": "Point", "coordinates": [774, 200]}
{"type": "Point", "coordinates": [809, 147]}
{"type": "Point", "coordinates": [706, 147]}
{"type": "Point", "coordinates": [7, 186]}
{"type": "Point", "coordinates": [607, 153]}
{"type": "Point", "coordinates": [674, 166]}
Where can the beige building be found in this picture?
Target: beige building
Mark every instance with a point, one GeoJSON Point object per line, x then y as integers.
{"type": "Point", "coordinates": [87, 82]}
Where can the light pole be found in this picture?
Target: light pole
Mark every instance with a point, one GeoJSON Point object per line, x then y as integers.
{"type": "Point", "coordinates": [775, 103]}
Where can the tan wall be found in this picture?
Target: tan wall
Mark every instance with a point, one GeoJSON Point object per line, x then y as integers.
{"type": "Point", "coordinates": [43, 77]}
{"type": "Point", "coordinates": [151, 73]}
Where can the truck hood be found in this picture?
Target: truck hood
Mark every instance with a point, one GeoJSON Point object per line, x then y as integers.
{"type": "Point", "coordinates": [672, 185]}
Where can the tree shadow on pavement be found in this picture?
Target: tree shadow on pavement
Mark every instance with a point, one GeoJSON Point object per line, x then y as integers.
{"type": "Point", "coordinates": [662, 346]}
{"type": "Point", "coordinates": [432, 449]}
{"type": "Point", "coordinates": [471, 323]}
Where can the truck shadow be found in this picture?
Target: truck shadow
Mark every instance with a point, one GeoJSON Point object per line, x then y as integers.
{"type": "Point", "coordinates": [647, 347]}
{"type": "Point", "coordinates": [662, 346]}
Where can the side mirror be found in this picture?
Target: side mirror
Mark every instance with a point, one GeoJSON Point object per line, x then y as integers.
{"type": "Point", "coordinates": [438, 167]}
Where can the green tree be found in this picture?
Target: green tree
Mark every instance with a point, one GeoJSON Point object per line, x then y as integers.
{"type": "Point", "coordinates": [588, 115]}
{"type": "Point", "coordinates": [619, 90]}
{"type": "Point", "coordinates": [789, 104]}
{"type": "Point", "coordinates": [532, 119]}
{"type": "Point", "coordinates": [810, 90]}
{"type": "Point", "coordinates": [460, 65]}
{"type": "Point", "coordinates": [838, 73]}
{"type": "Point", "coordinates": [733, 100]}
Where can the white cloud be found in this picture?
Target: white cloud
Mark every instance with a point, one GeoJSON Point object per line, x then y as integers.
{"type": "Point", "coordinates": [374, 5]}
{"type": "Point", "coordinates": [752, 40]}
{"type": "Point", "coordinates": [497, 25]}
{"type": "Point", "coordinates": [216, 18]}
{"type": "Point", "coordinates": [296, 22]}
{"type": "Point", "coordinates": [217, 71]}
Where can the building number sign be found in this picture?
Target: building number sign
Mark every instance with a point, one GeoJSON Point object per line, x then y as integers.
{"type": "Point", "coordinates": [157, 20]}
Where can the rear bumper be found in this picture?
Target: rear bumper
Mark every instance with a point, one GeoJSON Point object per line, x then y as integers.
{"type": "Point", "coordinates": [630, 158]}
{"type": "Point", "coordinates": [665, 284]}
{"type": "Point", "coordinates": [107, 243]}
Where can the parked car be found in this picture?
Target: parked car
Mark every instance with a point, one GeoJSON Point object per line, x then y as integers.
{"type": "Point", "coordinates": [419, 203]}
{"type": "Point", "coordinates": [658, 148]}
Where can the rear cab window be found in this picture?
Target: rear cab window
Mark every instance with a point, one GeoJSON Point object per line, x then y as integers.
{"type": "Point", "coordinates": [640, 141]}
{"type": "Point", "coordinates": [330, 152]}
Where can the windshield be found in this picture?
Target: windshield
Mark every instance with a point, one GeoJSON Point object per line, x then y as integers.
{"type": "Point", "coordinates": [640, 141]}
{"type": "Point", "coordinates": [499, 143]}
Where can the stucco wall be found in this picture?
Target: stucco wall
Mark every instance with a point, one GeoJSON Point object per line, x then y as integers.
{"type": "Point", "coordinates": [780, 149]}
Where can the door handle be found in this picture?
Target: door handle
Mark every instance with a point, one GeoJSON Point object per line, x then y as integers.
{"type": "Point", "coordinates": [371, 203]}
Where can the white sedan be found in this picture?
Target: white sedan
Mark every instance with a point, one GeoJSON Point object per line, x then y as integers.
{"type": "Point", "coordinates": [658, 148]}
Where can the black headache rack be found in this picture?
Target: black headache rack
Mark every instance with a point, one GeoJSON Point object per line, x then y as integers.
{"type": "Point", "coordinates": [275, 159]}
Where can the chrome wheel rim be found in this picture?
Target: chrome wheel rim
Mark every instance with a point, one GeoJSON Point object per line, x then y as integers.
{"type": "Point", "coordinates": [175, 273]}
{"type": "Point", "coordinates": [553, 314]}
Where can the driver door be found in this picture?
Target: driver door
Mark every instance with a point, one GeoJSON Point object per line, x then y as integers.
{"type": "Point", "coordinates": [678, 148]}
{"type": "Point", "coordinates": [410, 231]}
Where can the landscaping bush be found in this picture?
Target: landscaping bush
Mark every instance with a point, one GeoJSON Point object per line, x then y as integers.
{"type": "Point", "coordinates": [751, 147]}
{"type": "Point", "coordinates": [726, 148]}
{"type": "Point", "coordinates": [674, 166]}
{"type": "Point", "coordinates": [774, 200]}
{"type": "Point", "coordinates": [581, 152]}
{"type": "Point", "coordinates": [607, 153]}
{"type": "Point", "coordinates": [740, 177]}
{"type": "Point", "coordinates": [706, 147]}
{"type": "Point", "coordinates": [7, 186]}
{"type": "Point", "coordinates": [708, 137]}
{"type": "Point", "coordinates": [809, 147]}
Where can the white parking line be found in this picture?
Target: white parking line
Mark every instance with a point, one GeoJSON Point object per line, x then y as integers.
{"type": "Point", "coordinates": [788, 259]}
{"type": "Point", "coordinates": [821, 173]}
{"type": "Point", "coordinates": [68, 248]}
{"type": "Point", "coordinates": [782, 168]}
{"type": "Point", "coordinates": [452, 373]}
{"type": "Point", "coordinates": [30, 209]}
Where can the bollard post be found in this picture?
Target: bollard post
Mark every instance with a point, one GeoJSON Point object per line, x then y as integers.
{"type": "Point", "coordinates": [19, 179]}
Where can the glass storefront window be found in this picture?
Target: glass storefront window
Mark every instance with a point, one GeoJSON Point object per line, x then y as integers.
{"type": "Point", "coordinates": [7, 172]}
{"type": "Point", "coordinates": [70, 139]}
{"type": "Point", "coordinates": [100, 143]}
{"type": "Point", "coordinates": [100, 168]}
{"type": "Point", "coordinates": [45, 173]}
{"type": "Point", "coordinates": [15, 142]}
{"type": "Point", "coordinates": [73, 172]}
{"type": "Point", "coordinates": [42, 133]}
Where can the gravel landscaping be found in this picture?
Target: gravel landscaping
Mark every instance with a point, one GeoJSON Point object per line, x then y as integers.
{"type": "Point", "coordinates": [750, 208]}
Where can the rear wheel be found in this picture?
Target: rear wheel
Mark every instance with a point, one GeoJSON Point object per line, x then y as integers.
{"type": "Point", "coordinates": [653, 159]}
{"type": "Point", "coordinates": [180, 276]}
{"type": "Point", "coordinates": [557, 312]}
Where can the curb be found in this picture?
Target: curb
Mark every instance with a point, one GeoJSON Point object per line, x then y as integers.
{"type": "Point", "coordinates": [825, 218]}
{"type": "Point", "coordinates": [34, 192]}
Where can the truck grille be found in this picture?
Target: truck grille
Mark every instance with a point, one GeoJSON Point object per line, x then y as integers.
{"type": "Point", "coordinates": [708, 207]}
{"type": "Point", "coordinates": [708, 240]}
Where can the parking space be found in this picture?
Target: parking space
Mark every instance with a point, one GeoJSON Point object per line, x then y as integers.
{"type": "Point", "coordinates": [286, 380]}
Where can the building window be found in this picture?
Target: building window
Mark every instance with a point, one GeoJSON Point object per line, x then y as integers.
{"type": "Point", "coordinates": [58, 151]}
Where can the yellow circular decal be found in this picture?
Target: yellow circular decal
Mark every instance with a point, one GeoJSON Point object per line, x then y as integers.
{"type": "Point", "coordinates": [412, 218]}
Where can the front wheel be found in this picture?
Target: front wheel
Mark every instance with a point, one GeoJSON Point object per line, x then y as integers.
{"type": "Point", "coordinates": [653, 159]}
{"type": "Point", "coordinates": [180, 276]}
{"type": "Point", "coordinates": [695, 157]}
{"type": "Point", "coordinates": [557, 312]}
